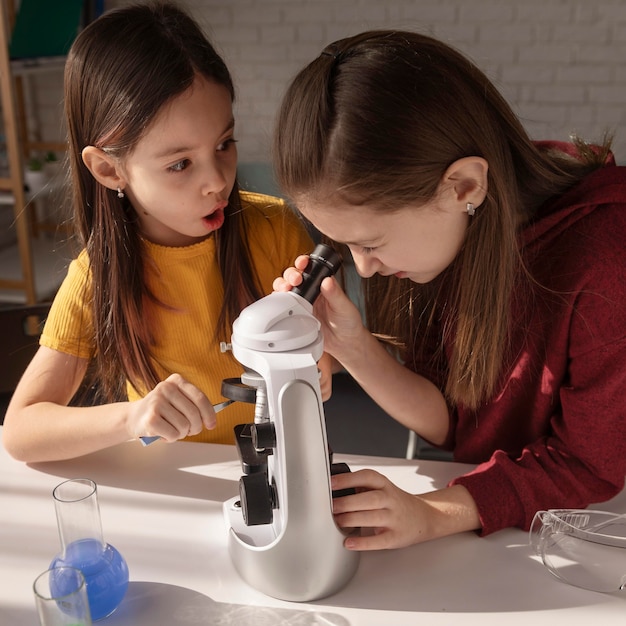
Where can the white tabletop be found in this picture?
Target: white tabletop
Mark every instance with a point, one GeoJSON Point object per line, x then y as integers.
{"type": "Point", "coordinates": [161, 506]}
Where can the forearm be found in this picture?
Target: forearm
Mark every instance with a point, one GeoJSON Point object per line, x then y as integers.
{"type": "Point", "coordinates": [46, 431]}
{"type": "Point", "coordinates": [452, 510]}
{"type": "Point", "coordinates": [408, 397]}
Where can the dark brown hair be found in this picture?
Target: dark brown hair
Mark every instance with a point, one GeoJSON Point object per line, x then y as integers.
{"type": "Point", "coordinates": [121, 70]}
{"type": "Point", "coordinates": [376, 120]}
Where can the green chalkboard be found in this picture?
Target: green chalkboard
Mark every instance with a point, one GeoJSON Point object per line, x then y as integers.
{"type": "Point", "coordinates": [44, 28]}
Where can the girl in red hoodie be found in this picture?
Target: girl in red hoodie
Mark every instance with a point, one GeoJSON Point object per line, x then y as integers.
{"type": "Point", "coordinates": [494, 281]}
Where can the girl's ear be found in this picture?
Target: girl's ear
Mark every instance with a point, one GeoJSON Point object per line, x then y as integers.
{"type": "Point", "coordinates": [467, 179]}
{"type": "Point", "coordinates": [103, 167]}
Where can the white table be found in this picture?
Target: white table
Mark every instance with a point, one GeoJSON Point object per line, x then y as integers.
{"type": "Point", "coordinates": [161, 506]}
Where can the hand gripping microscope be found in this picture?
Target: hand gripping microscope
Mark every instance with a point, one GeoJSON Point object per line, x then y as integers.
{"type": "Point", "coordinates": [282, 537]}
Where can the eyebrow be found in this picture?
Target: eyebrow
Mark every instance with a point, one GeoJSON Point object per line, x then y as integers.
{"type": "Point", "coordinates": [168, 152]}
{"type": "Point", "coordinates": [367, 243]}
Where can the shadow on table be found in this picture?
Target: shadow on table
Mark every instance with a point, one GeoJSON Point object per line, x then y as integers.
{"type": "Point", "coordinates": [152, 603]}
{"type": "Point", "coordinates": [159, 468]}
{"type": "Point", "coordinates": [148, 603]}
{"type": "Point", "coordinates": [190, 470]}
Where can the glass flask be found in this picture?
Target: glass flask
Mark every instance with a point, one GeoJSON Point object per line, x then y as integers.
{"type": "Point", "coordinates": [83, 547]}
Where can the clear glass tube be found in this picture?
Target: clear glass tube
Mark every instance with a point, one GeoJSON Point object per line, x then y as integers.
{"type": "Point", "coordinates": [61, 598]}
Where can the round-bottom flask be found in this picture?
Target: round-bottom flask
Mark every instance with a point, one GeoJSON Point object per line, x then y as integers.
{"type": "Point", "coordinates": [82, 546]}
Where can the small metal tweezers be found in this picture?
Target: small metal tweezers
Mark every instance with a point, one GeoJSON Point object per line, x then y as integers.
{"type": "Point", "coordinates": [146, 441]}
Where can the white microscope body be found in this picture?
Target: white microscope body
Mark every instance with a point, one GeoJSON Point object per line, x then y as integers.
{"type": "Point", "coordinates": [283, 539]}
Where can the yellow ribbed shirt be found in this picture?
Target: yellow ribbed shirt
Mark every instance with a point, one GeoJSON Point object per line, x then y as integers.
{"type": "Point", "coordinates": [188, 280]}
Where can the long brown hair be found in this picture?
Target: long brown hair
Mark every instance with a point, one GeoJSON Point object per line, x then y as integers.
{"type": "Point", "coordinates": [376, 120]}
{"type": "Point", "coordinates": [120, 72]}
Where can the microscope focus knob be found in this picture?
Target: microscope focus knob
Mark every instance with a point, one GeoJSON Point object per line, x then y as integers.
{"type": "Point", "coordinates": [258, 499]}
{"type": "Point", "coordinates": [263, 435]}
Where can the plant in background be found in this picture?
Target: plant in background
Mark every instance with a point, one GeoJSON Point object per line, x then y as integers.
{"type": "Point", "coordinates": [35, 164]}
{"type": "Point", "coordinates": [35, 176]}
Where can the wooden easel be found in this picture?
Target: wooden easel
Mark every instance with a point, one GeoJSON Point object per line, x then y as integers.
{"type": "Point", "coordinates": [15, 182]}
{"type": "Point", "coordinates": [19, 148]}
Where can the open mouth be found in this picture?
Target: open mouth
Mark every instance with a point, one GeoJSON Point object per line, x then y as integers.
{"type": "Point", "coordinates": [215, 220]}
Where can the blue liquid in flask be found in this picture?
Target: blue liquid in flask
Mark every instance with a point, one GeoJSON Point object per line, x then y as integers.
{"type": "Point", "coordinates": [105, 572]}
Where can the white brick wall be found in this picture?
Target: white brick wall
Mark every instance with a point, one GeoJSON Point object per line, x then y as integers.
{"type": "Point", "coordinates": [561, 63]}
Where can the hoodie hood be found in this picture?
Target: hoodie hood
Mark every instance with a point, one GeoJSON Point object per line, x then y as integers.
{"type": "Point", "coordinates": [604, 186]}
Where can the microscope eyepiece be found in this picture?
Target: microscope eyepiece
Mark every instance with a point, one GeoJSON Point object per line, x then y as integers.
{"type": "Point", "coordinates": [323, 262]}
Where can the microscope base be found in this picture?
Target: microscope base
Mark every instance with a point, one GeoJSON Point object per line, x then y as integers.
{"type": "Point", "coordinates": [308, 573]}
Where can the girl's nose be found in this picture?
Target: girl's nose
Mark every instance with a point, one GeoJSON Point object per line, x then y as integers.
{"type": "Point", "coordinates": [366, 265]}
{"type": "Point", "coordinates": [215, 179]}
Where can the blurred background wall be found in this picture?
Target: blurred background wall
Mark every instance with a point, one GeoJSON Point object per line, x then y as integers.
{"type": "Point", "coordinates": [561, 63]}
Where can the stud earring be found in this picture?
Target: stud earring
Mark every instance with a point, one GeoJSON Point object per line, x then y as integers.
{"type": "Point", "coordinates": [120, 193]}
{"type": "Point", "coordinates": [470, 209]}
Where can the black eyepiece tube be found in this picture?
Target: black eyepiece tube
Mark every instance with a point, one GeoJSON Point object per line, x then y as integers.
{"type": "Point", "coordinates": [323, 262]}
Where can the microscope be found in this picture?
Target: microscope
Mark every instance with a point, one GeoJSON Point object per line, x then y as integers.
{"type": "Point", "coordinates": [282, 537]}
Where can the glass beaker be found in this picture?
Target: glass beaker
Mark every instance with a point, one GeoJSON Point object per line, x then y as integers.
{"type": "Point", "coordinates": [61, 598]}
{"type": "Point", "coordinates": [83, 547]}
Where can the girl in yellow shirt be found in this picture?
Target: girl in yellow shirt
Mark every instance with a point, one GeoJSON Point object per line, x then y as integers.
{"type": "Point", "coordinates": [172, 250]}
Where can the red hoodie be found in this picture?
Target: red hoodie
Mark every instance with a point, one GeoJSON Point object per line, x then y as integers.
{"type": "Point", "coordinates": [558, 425]}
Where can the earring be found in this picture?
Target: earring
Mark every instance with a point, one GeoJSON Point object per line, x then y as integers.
{"type": "Point", "coordinates": [470, 209]}
{"type": "Point", "coordinates": [120, 193]}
